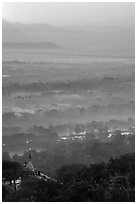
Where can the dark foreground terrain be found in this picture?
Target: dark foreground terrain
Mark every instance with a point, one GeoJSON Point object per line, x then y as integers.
{"type": "Point", "coordinates": [113, 181]}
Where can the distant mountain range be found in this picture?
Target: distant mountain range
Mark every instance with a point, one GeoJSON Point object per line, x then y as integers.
{"type": "Point", "coordinates": [33, 27]}
{"type": "Point", "coordinates": [30, 45]}
{"type": "Point", "coordinates": [14, 31]}
{"type": "Point", "coordinates": [96, 40]}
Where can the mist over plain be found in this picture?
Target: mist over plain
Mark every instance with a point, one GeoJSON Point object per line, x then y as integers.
{"type": "Point", "coordinates": [61, 76]}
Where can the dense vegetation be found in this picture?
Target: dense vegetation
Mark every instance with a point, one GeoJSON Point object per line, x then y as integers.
{"type": "Point", "coordinates": [57, 154]}
{"type": "Point", "coordinates": [113, 181]}
{"type": "Point", "coordinates": [106, 83]}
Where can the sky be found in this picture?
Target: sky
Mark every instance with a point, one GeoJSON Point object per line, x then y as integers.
{"type": "Point", "coordinates": [71, 14]}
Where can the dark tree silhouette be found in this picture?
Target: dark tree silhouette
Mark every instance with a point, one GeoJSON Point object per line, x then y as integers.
{"type": "Point", "coordinates": [11, 171]}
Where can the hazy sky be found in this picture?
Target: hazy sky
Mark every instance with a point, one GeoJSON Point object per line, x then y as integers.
{"type": "Point", "coordinates": [71, 14]}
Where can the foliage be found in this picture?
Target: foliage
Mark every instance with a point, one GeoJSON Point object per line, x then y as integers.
{"type": "Point", "coordinates": [102, 182]}
{"type": "Point", "coordinates": [5, 156]}
{"type": "Point", "coordinates": [34, 189]}
{"type": "Point", "coordinates": [5, 191]}
{"type": "Point", "coordinates": [113, 181]}
{"type": "Point", "coordinates": [11, 171]}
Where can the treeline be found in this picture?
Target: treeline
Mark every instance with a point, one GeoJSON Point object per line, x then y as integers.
{"type": "Point", "coordinates": [56, 154]}
{"type": "Point", "coordinates": [113, 181]}
{"type": "Point", "coordinates": [106, 83]}
{"type": "Point", "coordinates": [64, 127]}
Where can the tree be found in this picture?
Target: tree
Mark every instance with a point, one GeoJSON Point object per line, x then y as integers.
{"type": "Point", "coordinates": [5, 156]}
{"type": "Point", "coordinates": [34, 190]}
{"type": "Point", "coordinates": [11, 171]}
{"type": "Point", "coordinates": [5, 191]}
{"type": "Point", "coordinates": [70, 173]}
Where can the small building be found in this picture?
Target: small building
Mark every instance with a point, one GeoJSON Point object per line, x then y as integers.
{"type": "Point", "coordinates": [30, 166]}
